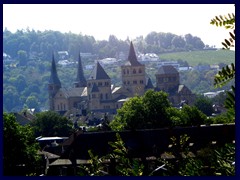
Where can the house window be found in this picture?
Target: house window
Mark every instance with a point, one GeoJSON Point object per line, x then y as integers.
{"type": "Point", "coordinates": [124, 82]}
{"type": "Point", "coordinates": [100, 84]}
{"type": "Point", "coordinates": [134, 82]}
{"type": "Point", "coordinates": [124, 71]}
{"type": "Point", "coordinates": [64, 108]}
{"type": "Point", "coordinates": [127, 71]}
{"type": "Point", "coordinates": [58, 106]}
{"type": "Point", "coordinates": [106, 95]}
{"type": "Point", "coordinates": [93, 95]}
{"type": "Point", "coordinates": [141, 81]}
{"type": "Point", "coordinates": [89, 84]}
{"type": "Point", "coordinates": [134, 71]}
{"type": "Point", "coordinates": [140, 71]}
{"type": "Point", "coordinates": [101, 96]}
{"type": "Point", "coordinates": [128, 82]}
{"type": "Point", "coordinates": [106, 83]}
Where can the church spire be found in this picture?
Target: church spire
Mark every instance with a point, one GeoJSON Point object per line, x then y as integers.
{"type": "Point", "coordinates": [132, 58]}
{"type": "Point", "coordinates": [54, 77]}
{"type": "Point", "coordinates": [54, 84]}
{"type": "Point", "coordinates": [98, 72]}
{"type": "Point", "coordinates": [80, 80]}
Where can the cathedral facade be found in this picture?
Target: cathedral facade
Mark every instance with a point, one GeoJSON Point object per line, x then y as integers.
{"type": "Point", "coordinates": [97, 94]}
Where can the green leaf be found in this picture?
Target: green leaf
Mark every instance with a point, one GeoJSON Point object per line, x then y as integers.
{"type": "Point", "coordinates": [228, 43]}
{"type": "Point", "coordinates": [217, 18]}
{"type": "Point", "coordinates": [232, 35]}
{"type": "Point", "coordinates": [225, 45]}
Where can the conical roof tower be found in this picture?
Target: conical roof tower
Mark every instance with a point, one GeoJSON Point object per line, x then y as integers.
{"type": "Point", "coordinates": [80, 80]}
{"type": "Point", "coordinates": [98, 73]}
{"type": "Point", "coordinates": [132, 58]}
{"type": "Point", "coordinates": [54, 76]}
{"type": "Point", "coordinates": [54, 84]}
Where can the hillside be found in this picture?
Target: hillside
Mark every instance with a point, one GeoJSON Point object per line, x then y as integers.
{"type": "Point", "coordinates": [208, 56]}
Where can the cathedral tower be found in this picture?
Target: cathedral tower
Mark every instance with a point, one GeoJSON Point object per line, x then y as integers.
{"type": "Point", "coordinates": [54, 84]}
{"type": "Point", "coordinates": [167, 78]}
{"type": "Point", "coordinates": [133, 74]}
{"type": "Point", "coordinates": [99, 89]}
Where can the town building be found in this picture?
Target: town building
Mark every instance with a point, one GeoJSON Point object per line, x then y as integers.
{"type": "Point", "coordinates": [97, 94]}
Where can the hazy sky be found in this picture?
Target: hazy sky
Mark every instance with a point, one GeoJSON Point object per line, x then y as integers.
{"type": "Point", "coordinates": [121, 20]}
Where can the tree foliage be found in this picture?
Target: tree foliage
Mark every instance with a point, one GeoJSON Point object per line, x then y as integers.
{"type": "Point", "coordinates": [19, 148]}
{"type": "Point", "coordinates": [208, 161]}
{"type": "Point", "coordinates": [50, 123]}
{"type": "Point", "coordinates": [204, 104]}
{"type": "Point", "coordinates": [124, 166]}
{"type": "Point", "coordinates": [148, 111]}
{"type": "Point", "coordinates": [153, 110]}
{"type": "Point", "coordinates": [227, 21]}
{"type": "Point", "coordinates": [227, 73]}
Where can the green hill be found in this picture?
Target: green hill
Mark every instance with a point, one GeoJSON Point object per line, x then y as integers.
{"type": "Point", "coordinates": [204, 57]}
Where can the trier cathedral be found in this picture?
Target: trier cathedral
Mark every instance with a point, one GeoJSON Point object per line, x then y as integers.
{"type": "Point", "coordinates": [97, 94]}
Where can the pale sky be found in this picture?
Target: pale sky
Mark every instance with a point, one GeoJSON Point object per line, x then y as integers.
{"type": "Point", "coordinates": [121, 20]}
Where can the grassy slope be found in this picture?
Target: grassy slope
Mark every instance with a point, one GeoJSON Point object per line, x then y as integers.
{"type": "Point", "coordinates": [209, 56]}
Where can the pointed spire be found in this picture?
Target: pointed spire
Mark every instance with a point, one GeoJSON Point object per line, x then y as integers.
{"type": "Point", "coordinates": [54, 77]}
{"type": "Point", "coordinates": [98, 72]}
{"type": "Point", "coordinates": [132, 58]}
{"type": "Point", "coordinates": [80, 80]}
{"type": "Point", "coordinates": [149, 84]}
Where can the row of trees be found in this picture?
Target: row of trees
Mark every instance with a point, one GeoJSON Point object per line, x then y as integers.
{"type": "Point", "coordinates": [168, 42]}
{"type": "Point", "coordinates": [201, 81]}
{"type": "Point", "coordinates": [26, 44]}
